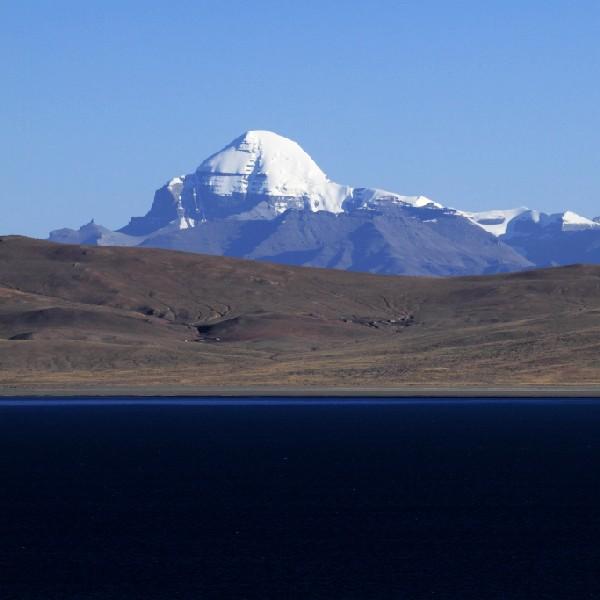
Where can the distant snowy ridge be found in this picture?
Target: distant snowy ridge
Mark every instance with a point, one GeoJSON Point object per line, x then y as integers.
{"type": "Point", "coordinates": [498, 222]}
{"type": "Point", "coordinates": [534, 220]}
{"type": "Point", "coordinates": [262, 162]}
{"type": "Point", "coordinates": [493, 221]}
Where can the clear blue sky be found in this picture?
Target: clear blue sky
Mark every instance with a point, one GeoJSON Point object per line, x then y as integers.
{"type": "Point", "coordinates": [475, 104]}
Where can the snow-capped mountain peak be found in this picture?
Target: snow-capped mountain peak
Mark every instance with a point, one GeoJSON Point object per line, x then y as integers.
{"type": "Point", "coordinates": [231, 204]}
{"type": "Point", "coordinates": [258, 175]}
{"type": "Point", "coordinates": [265, 163]}
{"type": "Point", "coordinates": [265, 153]}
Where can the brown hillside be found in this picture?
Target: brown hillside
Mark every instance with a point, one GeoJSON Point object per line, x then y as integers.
{"type": "Point", "coordinates": [82, 316]}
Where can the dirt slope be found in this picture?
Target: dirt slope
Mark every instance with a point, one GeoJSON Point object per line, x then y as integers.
{"type": "Point", "coordinates": [81, 316]}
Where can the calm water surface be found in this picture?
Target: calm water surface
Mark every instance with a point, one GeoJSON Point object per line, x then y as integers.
{"type": "Point", "coordinates": [356, 499]}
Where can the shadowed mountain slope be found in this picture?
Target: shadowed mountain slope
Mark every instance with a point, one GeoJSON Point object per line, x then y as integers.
{"type": "Point", "coordinates": [76, 316]}
{"type": "Point", "coordinates": [389, 240]}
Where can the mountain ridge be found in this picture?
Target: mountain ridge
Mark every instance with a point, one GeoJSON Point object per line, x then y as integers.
{"type": "Point", "coordinates": [233, 205]}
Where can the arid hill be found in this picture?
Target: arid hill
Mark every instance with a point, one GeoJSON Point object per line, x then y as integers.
{"type": "Point", "coordinates": [74, 317]}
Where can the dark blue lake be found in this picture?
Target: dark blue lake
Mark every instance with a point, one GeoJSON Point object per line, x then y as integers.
{"type": "Point", "coordinates": [301, 499]}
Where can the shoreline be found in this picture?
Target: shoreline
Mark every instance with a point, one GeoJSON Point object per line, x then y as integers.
{"type": "Point", "coordinates": [532, 391]}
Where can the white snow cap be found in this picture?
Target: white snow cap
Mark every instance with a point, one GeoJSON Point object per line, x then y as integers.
{"type": "Point", "coordinates": [573, 222]}
{"type": "Point", "coordinates": [375, 196]}
{"type": "Point", "coordinates": [566, 221]}
{"type": "Point", "coordinates": [263, 162]}
{"type": "Point", "coordinates": [494, 221]}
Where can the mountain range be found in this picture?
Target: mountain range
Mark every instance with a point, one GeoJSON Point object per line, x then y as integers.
{"type": "Point", "coordinates": [98, 320]}
{"type": "Point", "coordinates": [262, 197]}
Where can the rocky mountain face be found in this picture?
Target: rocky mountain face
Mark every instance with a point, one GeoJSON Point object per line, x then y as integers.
{"type": "Point", "coordinates": [389, 240]}
{"type": "Point", "coordinates": [262, 197]}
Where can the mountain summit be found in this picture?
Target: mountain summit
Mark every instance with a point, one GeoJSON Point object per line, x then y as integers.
{"type": "Point", "coordinates": [263, 163]}
{"type": "Point", "coordinates": [263, 197]}
{"type": "Point", "coordinates": [259, 175]}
